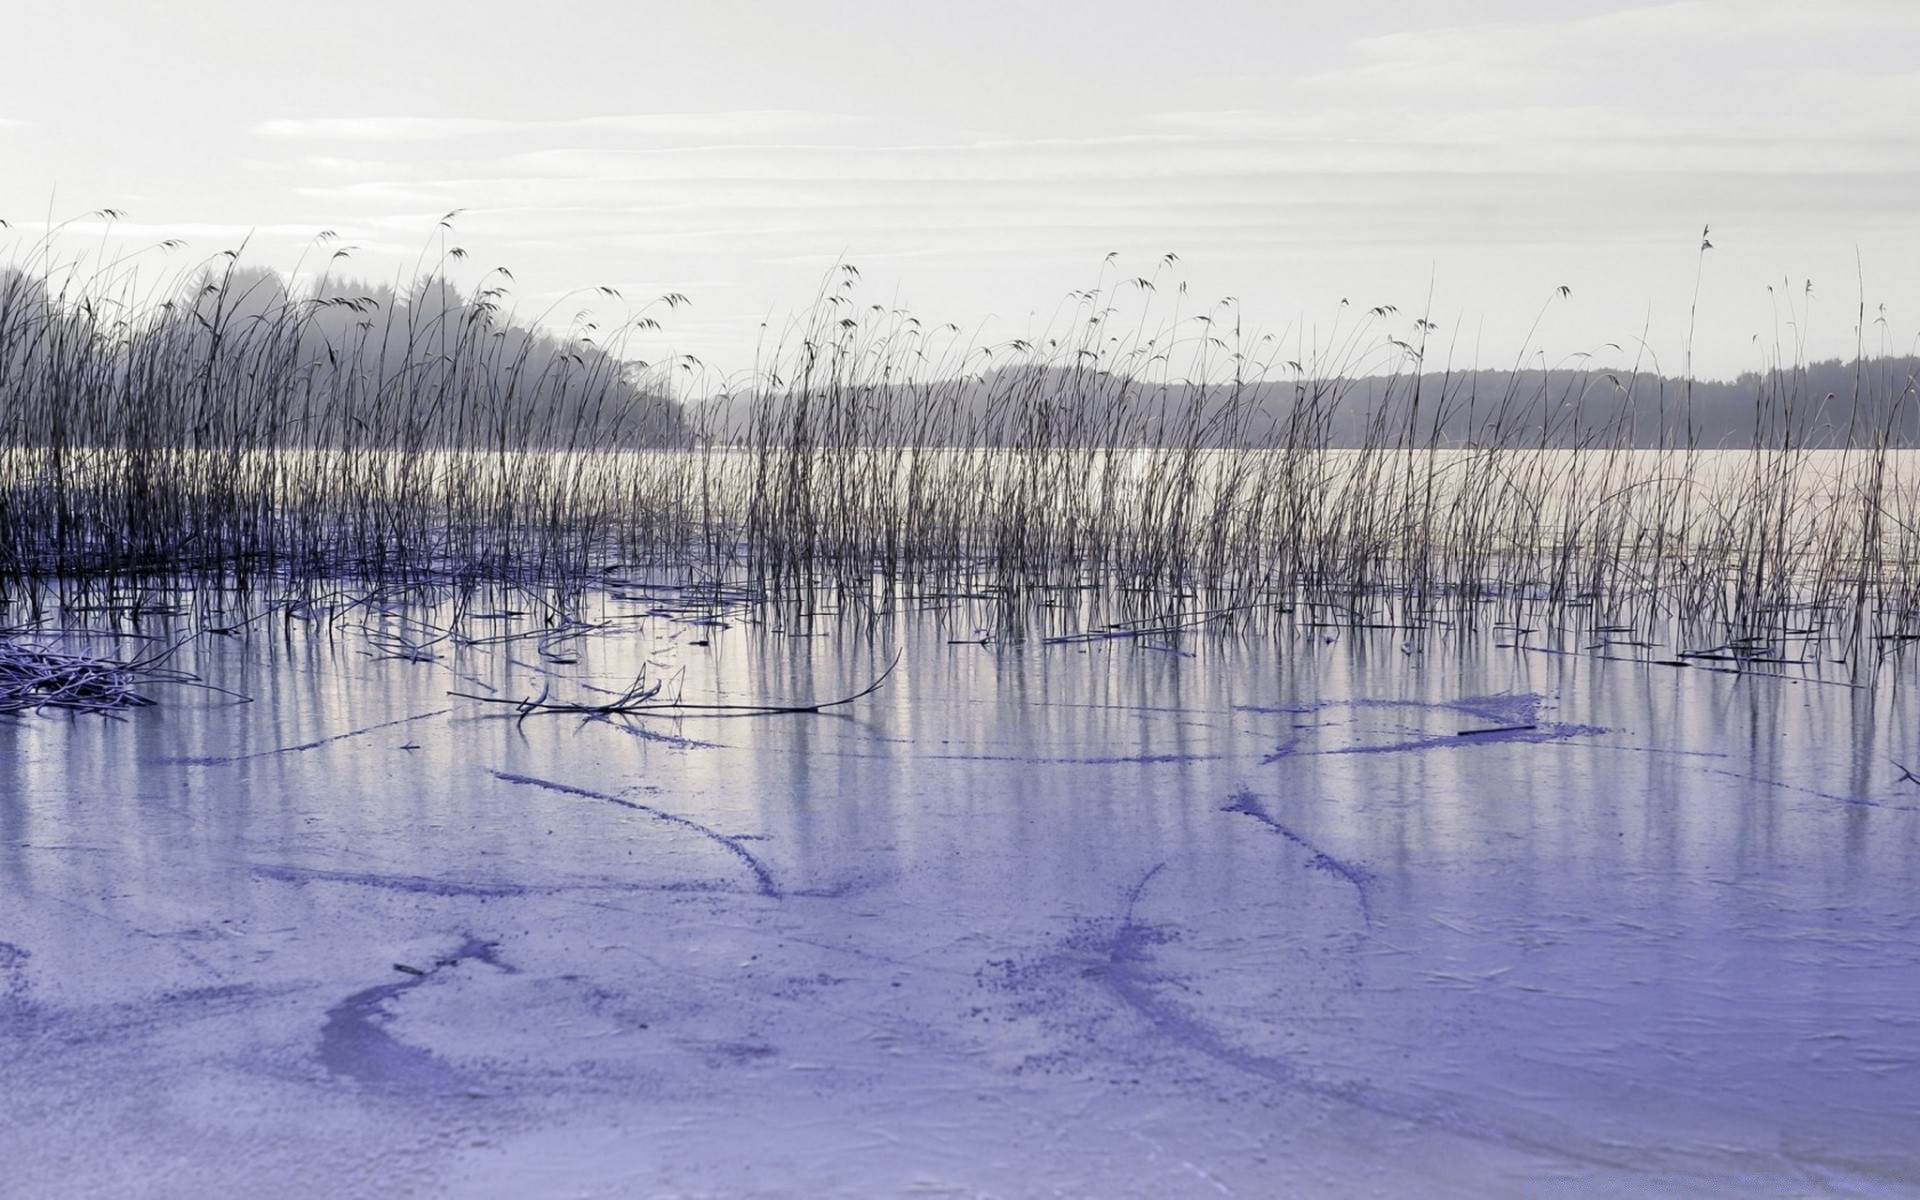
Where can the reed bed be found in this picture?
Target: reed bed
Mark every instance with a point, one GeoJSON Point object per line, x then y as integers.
{"type": "Point", "coordinates": [240, 434]}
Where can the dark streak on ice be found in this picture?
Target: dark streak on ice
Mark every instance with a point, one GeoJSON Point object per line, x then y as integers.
{"type": "Point", "coordinates": [1856, 801]}
{"type": "Point", "coordinates": [424, 885]}
{"type": "Point", "coordinates": [762, 876]}
{"type": "Point", "coordinates": [1515, 717]}
{"type": "Point", "coordinates": [1130, 978]}
{"type": "Point", "coordinates": [1246, 803]}
{"type": "Point", "coordinates": [354, 1041]}
{"type": "Point", "coordinates": [418, 884]}
{"type": "Point", "coordinates": [1105, 761]}
{"type": "Point", "coordinates": [650, 735]}
{"type": "Point", "coordinates": [13, 987]}
{"type": "Point", "coordinates": [223, 760]}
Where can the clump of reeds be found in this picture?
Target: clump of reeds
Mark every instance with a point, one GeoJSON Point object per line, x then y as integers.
{"type": "Point", "coordinates": [235, 429]}
{"type": "Point", "coordinates": [1192, 464]}
{"type": "Point", "coordinates": [1169, 460]}
{"type": "Point", "coordinates": [34, 678]}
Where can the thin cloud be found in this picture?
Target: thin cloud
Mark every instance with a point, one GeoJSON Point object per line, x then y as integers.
{"type": "Point", "coordinates": [195, 234]}
{"type": "Point", "coordinates": [662, 126]}
{"type": "Point", "coordinates": [1499, 139]}
{"type": "Point", "coordinates": [1434, 209]}
{"type": "Point", "coordinates": [1574, 138]}
{"type": "Point", "coordinates": [1702, 31]}
{"type": "Point", "coordinates": [1702, 85]}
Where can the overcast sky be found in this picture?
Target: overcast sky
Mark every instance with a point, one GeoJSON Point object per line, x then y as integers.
{"type": "Point", "coordinates": [979, 159]}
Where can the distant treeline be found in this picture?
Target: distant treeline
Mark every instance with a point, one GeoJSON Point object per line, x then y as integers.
{"type": "Point", "coordinates": [1822, 404]}
{"type": "Point", "coordinates": [239, 361]}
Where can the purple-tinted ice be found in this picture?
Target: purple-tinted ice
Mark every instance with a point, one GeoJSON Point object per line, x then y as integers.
{"type": "Point", "coordinates": [1077, 920]}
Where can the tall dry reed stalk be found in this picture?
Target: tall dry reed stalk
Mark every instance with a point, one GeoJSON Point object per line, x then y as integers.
{"type": "Point", "coordinates": [240, 433]}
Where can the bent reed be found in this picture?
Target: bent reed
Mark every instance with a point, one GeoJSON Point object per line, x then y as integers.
{"type": "Point", "coordinates": [240, 434]}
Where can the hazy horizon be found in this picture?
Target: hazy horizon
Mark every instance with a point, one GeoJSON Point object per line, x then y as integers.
{"type": "Point", "coordinates": [1460, 160]}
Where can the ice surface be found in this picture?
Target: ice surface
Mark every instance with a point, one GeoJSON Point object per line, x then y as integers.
{"type": "Point", "coordinates": [1257, 917]}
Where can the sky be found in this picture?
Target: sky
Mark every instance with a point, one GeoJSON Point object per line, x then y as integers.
{"type": "Point", "coordinates": [979, 161]}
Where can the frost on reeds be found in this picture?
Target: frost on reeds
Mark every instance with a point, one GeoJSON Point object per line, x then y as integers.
{"type": "Point", "coordinates": [34, 678]}
{"type": "Point", "coordinates": [240, 432]}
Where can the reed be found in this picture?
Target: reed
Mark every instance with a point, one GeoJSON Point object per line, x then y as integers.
{"type": "Point", "coordinates": [238, 434]}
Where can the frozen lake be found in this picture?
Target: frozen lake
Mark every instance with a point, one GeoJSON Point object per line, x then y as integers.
{"type": "Point", "coordinates": [1288, 915]}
